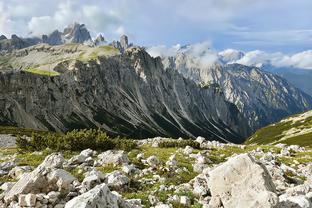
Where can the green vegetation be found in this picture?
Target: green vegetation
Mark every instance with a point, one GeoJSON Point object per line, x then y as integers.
{"type": "Point", "coordinates": [94, 53]}
{"type": "Point", "coordinates": [20, 131]}
{"type": "Point", "coordinates": [77, 172]}
{"type": "Point", "coordinates": [142, 191]}
{"type": "Point", "coordinates": [179, 143]}
{"type": "Point", "coordinates": [275, 133]}
{"type": "Point", "coordinates": [75, 140]}
{"type": "Point", "coordinates": [42, 72]}
{"type": "Point", "coordinates": [108, 168]}
{"type": "Point", "coordinates": [71, 143]}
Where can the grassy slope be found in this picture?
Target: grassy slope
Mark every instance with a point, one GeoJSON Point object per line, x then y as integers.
{"type": "Point", "coordinates": [273, 134]}
{"type": "Point", "coordinates": [42, 72]}
{"type": "Point", "coordinates": [19, 131]}
{"type": "Point", "coordinates": [41, 59]}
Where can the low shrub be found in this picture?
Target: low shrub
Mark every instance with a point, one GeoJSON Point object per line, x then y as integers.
{"type": "Point", "coordinates": [179, 143]}
{"type": "Point", "coordinates": [75, 140]}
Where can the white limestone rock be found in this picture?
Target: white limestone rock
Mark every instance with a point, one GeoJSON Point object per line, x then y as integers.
{"type": "Point", "coordinates": [100, 196]}
{"type": "Point", "coordinates": [117, 157]}
{"type": "Point", "coordinates": [241, 182]}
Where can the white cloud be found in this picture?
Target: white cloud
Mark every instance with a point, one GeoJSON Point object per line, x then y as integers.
{"type": "Point", "coordinates": [4, 20]}
{"type": "Point", "coordinates": [43, 17]}
{"type": "Point", "coordinates": [69, 12]}
{"type": "Point", "coordinates": [201, 54]}
{"type": "Point", "coordinates": [204, 55]}
{"type": "Point", "coordinates": [163, 51]}
{"type": "Point", "coordinates": [41, 25]}
{"type": "Point", "coordinates": [302, 60]}
{"type": "Point", "coordinates": [120, 30]}
{"type": "Point", "coordinates": [230, 55]}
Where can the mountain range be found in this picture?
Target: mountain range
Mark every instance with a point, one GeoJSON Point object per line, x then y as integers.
{"type": "Point", "coordinates": [66, 80]}
{"type": "Point", "coordinates": [299, 77]}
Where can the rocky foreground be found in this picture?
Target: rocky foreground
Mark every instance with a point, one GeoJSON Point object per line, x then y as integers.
{"type": "Point", "coordinates": [215, 175]}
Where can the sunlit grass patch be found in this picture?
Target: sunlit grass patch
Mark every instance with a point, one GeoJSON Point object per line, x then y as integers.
{"type": "Point", "coordinates": [42, 72]}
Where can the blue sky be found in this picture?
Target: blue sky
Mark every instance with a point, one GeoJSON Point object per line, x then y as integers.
{"type": "Point", "coordinates": [269, 25]}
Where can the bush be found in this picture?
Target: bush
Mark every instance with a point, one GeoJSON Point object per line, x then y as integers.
{"type": "Point", "coordinates": [75, 140]}
{"type": "Point", "coordinates": [179, 143]}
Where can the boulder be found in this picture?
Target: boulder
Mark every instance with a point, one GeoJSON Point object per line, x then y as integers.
{"type": "Point", "coordinates": [172, 161]}
{"type": "Point", "coordinates": [200, 139]}
{"type": "Point", "coordinates": [129, 169]}
{"type": "Point", "coordinates": [38, 180]}
{"type": "Point", "coordinates": [28, 200]}
{"type": "Point", "coordinates": [300, 201]}
{"type": "Point", "coordinates": [88, 152]}
{"type": "Point", "coordinates": [117, 180]}
{"type": "Point", "coordinates": [77, 159]}
{"type": "Point", "coordinates": [92, 179]}
{"type": "Point", "coordinates": [188, 150]}
{"type": "Point", "coordinates": [100, 196]}
{"type": "Point", "coordinates": [152, 161]}
{"type": "Point", "coordinates": [18, 171]}
{"type": "Point", "coordinates": [55, 160]}
{"type": "Point", "coordinates": [117, 157]}
{"type": "Point", "coordinates": [241, 182]}
{"type": "Point", "coordinates": [61, 178]}
{"type": "Point", "coordinates": [199, 167]}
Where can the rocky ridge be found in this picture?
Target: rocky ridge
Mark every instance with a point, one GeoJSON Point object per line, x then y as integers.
{"type": "Point", "coordinates": [150, 176]}
{"type": "Point", "coordinates": [261, 96]}
{"type": "Point", "coordinates": [126, 93]}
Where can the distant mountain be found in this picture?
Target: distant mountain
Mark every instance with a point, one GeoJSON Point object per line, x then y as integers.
{"type": "Point", "coordinates": [296, 129]}
{"type": "Point", "coordinates": [76, 33]}
{"type": "Point", "coordinates": [262, 97]}
{"type": "Point", "coordinates": [300, 78]}
{"type": "Point", "coordinates": [16, 42]}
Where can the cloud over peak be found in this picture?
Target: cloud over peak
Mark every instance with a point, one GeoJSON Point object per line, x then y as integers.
{"type": "Point", "coordinates": [205, 55]}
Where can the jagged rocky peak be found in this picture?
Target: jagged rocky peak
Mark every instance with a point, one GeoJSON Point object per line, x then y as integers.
{"type": "Point", "coordinates": [77, 33]}
{"type": "Point", "coordinates": [123, 44]}
{"type": "Point", "coordinates": [99, 40]}
{"type": "Point", "coordinates": [2, 37]}
{"type": "Point", "coordinates": [124, 41]}
{"type": "Point", "coordinates": [14, 37]}
{"type": "Point", "coordinates": [55, 38]}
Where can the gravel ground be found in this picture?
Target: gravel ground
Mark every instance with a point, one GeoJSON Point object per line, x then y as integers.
{"type": "Point", "coordinates": [7, 141]}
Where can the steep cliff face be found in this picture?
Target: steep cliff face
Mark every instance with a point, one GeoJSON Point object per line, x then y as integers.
{"type": "Point", "coordinates": [129, 94]}
{"type": "Point", "coordinates": [262, 97]}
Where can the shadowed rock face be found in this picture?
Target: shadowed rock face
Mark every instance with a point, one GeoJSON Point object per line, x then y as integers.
{"type": "Point", "coordinates": [129, 94]}
{"type": "Point", "coordinates": [77, 33]}
{"type": "Point", "coordinates": [16, 43]}
{"type": "Point", "coordinates": [262, 97]}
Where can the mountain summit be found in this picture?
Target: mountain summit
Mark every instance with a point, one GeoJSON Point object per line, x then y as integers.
{"type": "Point", "coordinates": [75, 33]}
